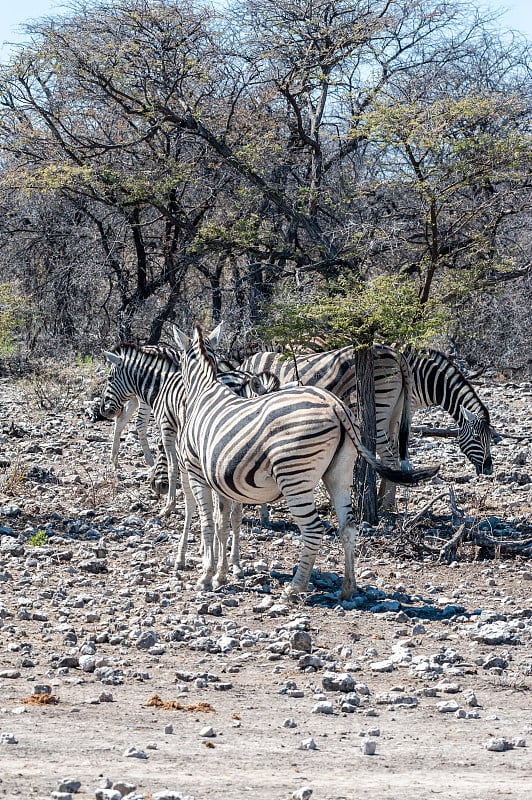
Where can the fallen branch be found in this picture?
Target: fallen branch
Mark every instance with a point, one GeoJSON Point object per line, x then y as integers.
{"type": "Point", "coordinates": [430, 430]}
{"type": "Point", "coordinates": [448, 551]}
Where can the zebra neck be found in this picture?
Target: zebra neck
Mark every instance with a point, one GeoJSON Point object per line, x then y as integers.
{"type": "Point", "coordinates": [149, 379]}
{"type": "Point", "coordinates": [438, 382]}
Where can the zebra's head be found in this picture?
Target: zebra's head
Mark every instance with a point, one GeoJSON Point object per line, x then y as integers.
{"type": "Point", "coordinates": [474, 438]}
{"type": "Point", "coordinates": [257, 384]}
{"type": "Point", "coordinates": [198, 359]}
{"type": "Point", "coordinates": [114, 397]}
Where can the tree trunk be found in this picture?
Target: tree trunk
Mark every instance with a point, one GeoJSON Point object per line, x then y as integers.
{"type": "Point", "coordinates": [364, 478]}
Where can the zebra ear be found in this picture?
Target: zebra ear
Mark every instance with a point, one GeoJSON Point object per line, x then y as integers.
{"type": "Point", "coordinates": [112, 357]}
{"type": "Point", "coordinates": [181, 339]}
{"type": "Point", "coordinates": [215, 335]}
{"type": "Point", "coordinates": [467, 415]}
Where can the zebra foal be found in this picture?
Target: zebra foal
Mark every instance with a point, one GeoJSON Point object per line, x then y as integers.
{"type": "Point", "coordinates": [259, 450]}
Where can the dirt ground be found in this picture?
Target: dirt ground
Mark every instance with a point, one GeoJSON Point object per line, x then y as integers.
{"type": "Point", "coordinates": [430, 662]}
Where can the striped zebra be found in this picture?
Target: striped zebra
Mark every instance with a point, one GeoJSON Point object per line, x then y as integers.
{"type": "Point", "coordinates": [439, 382]}
{"type": "Point", "coordinates": [404, 382]}
{"type": "Point", "coordinates": [335, 371]}
{"type": "Point", "coordinates": [234, 378]}
{"type": "Point", "coordinates": [259, 450]}
{"type": "Point", "coordinates": [150, 378]}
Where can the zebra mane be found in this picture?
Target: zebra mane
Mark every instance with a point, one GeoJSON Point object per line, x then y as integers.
{"type": "Point", "coordinates": [160, 350]}
{"type": "Point", "coordinates": [439, 358]}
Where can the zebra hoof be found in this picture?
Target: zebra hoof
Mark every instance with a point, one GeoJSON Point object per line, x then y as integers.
{"type": "Point", "coordinates": [204, 585]}
{"type": "Point", "coordinates": [293, 594]}
{"type": "Point", "coordinates": [237, 571]}
{"type": "Point", "coordinates": [219, 581]}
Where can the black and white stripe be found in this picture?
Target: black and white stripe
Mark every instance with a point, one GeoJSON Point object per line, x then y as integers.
{"type": "Point", "coordinates": [335, 371]}
{"type": "Point", "coordinates": [259, 450]}
{"type": "Point", "coordinates": [149, 378]}
{"type": "Point", "coordinates": [439, 382]}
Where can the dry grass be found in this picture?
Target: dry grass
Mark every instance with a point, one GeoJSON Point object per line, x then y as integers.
{"type": "Point", "coordinates": [174, 705]}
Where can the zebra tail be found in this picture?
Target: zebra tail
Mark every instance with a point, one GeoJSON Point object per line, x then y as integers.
{"type": "Point", "coordinates": [407, 477]}
{"type": "Point", "coordinates": [406, 413]}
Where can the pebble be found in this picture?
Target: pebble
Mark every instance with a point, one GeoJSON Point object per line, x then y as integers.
{"type": "Point", "coordinates": [368, 747]}
{"type": "Point", "coordinates": [325, 707]}
{"type": "Point", "coordinates": [447, 706]}
{"type": "Point", "coordinates": [289, 723]}
{"type": "Point", "coordinates": [69, 785]}
{"type": "Point", "coordinates": [302, 794]}
{"type": "Point", "coordinates": [134, 752]}
{"type": "Point", "coordinates": [207, 732]}
{"type": "Point", "coordinates": [308, 744]}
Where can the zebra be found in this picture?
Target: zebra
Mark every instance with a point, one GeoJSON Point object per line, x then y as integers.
{"type": "Point", "coordinates": [150, 377]}
{"type": "Point", "coordinates": [245, 385]}
{"type": "Point", "coordinates": [335, 371]}
{"type": "Point", "coordinates": [437, 381]}
{"type": "Point", "coordinates": [236, 378]}
{"type": "Point", "coordinates": [259, 450]}
{"type": "Point", "coordinates": [404, 382]}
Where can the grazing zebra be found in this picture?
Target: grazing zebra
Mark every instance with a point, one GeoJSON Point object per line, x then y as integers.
{"type": "Point", "coordinates": [439, 382]}
{"type": "Point", "coordinates": [436, 381]}
{"type": "Point", "coordinates": [335, 371]}
{"type": "Point", "coordinates": [259, 450]}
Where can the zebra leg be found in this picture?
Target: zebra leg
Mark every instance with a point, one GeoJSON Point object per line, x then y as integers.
{"type": "Point", "coordinates": [264, 515]}
{"type": "Point", "coordinates": [169, 444]}
{"type": "Point", "coordinates": [236, 522]}
{"type": "Point", "coordinates": [304, 513]}
{"type": "Point", "coordinates": [190, 505]}
{"type": "Point", "coordinates": [203, 498]}
{"type": "Point", "coordinates": [337, 482]}
{"type": "Point", "coordinates": [143, 418]}
{"type": "Point", "coordinates": [223, 509]}
{"type": "Point", "coordinates": [120, 423]}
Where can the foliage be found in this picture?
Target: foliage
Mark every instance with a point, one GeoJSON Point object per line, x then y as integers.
{"type": "Point", "coordinates": [39, 538]}
{"type": "Point", "coordinates": [12, 482]}
{"type": "Point", "coordinates": [352, 311]}
{"type": "Point", "coordinates": [58, 388]}
{"type": "Point", "coordinates": [13, 311]}
{"type": "Point", "coordinates": [167, 161]}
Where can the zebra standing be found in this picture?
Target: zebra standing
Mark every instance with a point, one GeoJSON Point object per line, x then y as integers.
{"type": "Point", "coordinates": [259, 450]}
{"type": "Point", "coordinates": [335, 371]}
{"type": "Point", "coordinates": [150, 377]}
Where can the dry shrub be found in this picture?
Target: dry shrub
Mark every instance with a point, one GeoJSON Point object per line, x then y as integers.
{"type": "Point", "coordinates": [41, 700]}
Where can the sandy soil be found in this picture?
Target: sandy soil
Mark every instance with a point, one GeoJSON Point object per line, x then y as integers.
{"type": "Point", "coordinates": [104, 580]}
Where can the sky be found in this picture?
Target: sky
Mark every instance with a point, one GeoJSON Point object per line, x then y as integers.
{"type": "Point", "coordinates": [13, 13]}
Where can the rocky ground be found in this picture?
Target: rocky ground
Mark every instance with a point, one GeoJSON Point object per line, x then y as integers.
{"type": "Point", "coordinates": [119, 679]}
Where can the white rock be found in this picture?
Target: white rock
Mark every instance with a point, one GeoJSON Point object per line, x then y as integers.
{"type": "Point", "coordinates": [134, 752]}
{"type": "Point", "coordinates": [447, 706]}
{"type": "Point", "coordinates": [302, 794]}
{"type": "Point", "coordinates": [368, 747]}
{"type": "Point", "coordinates": [308, 744]}
{"type": "Point", "coordinates": [324, 707]}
